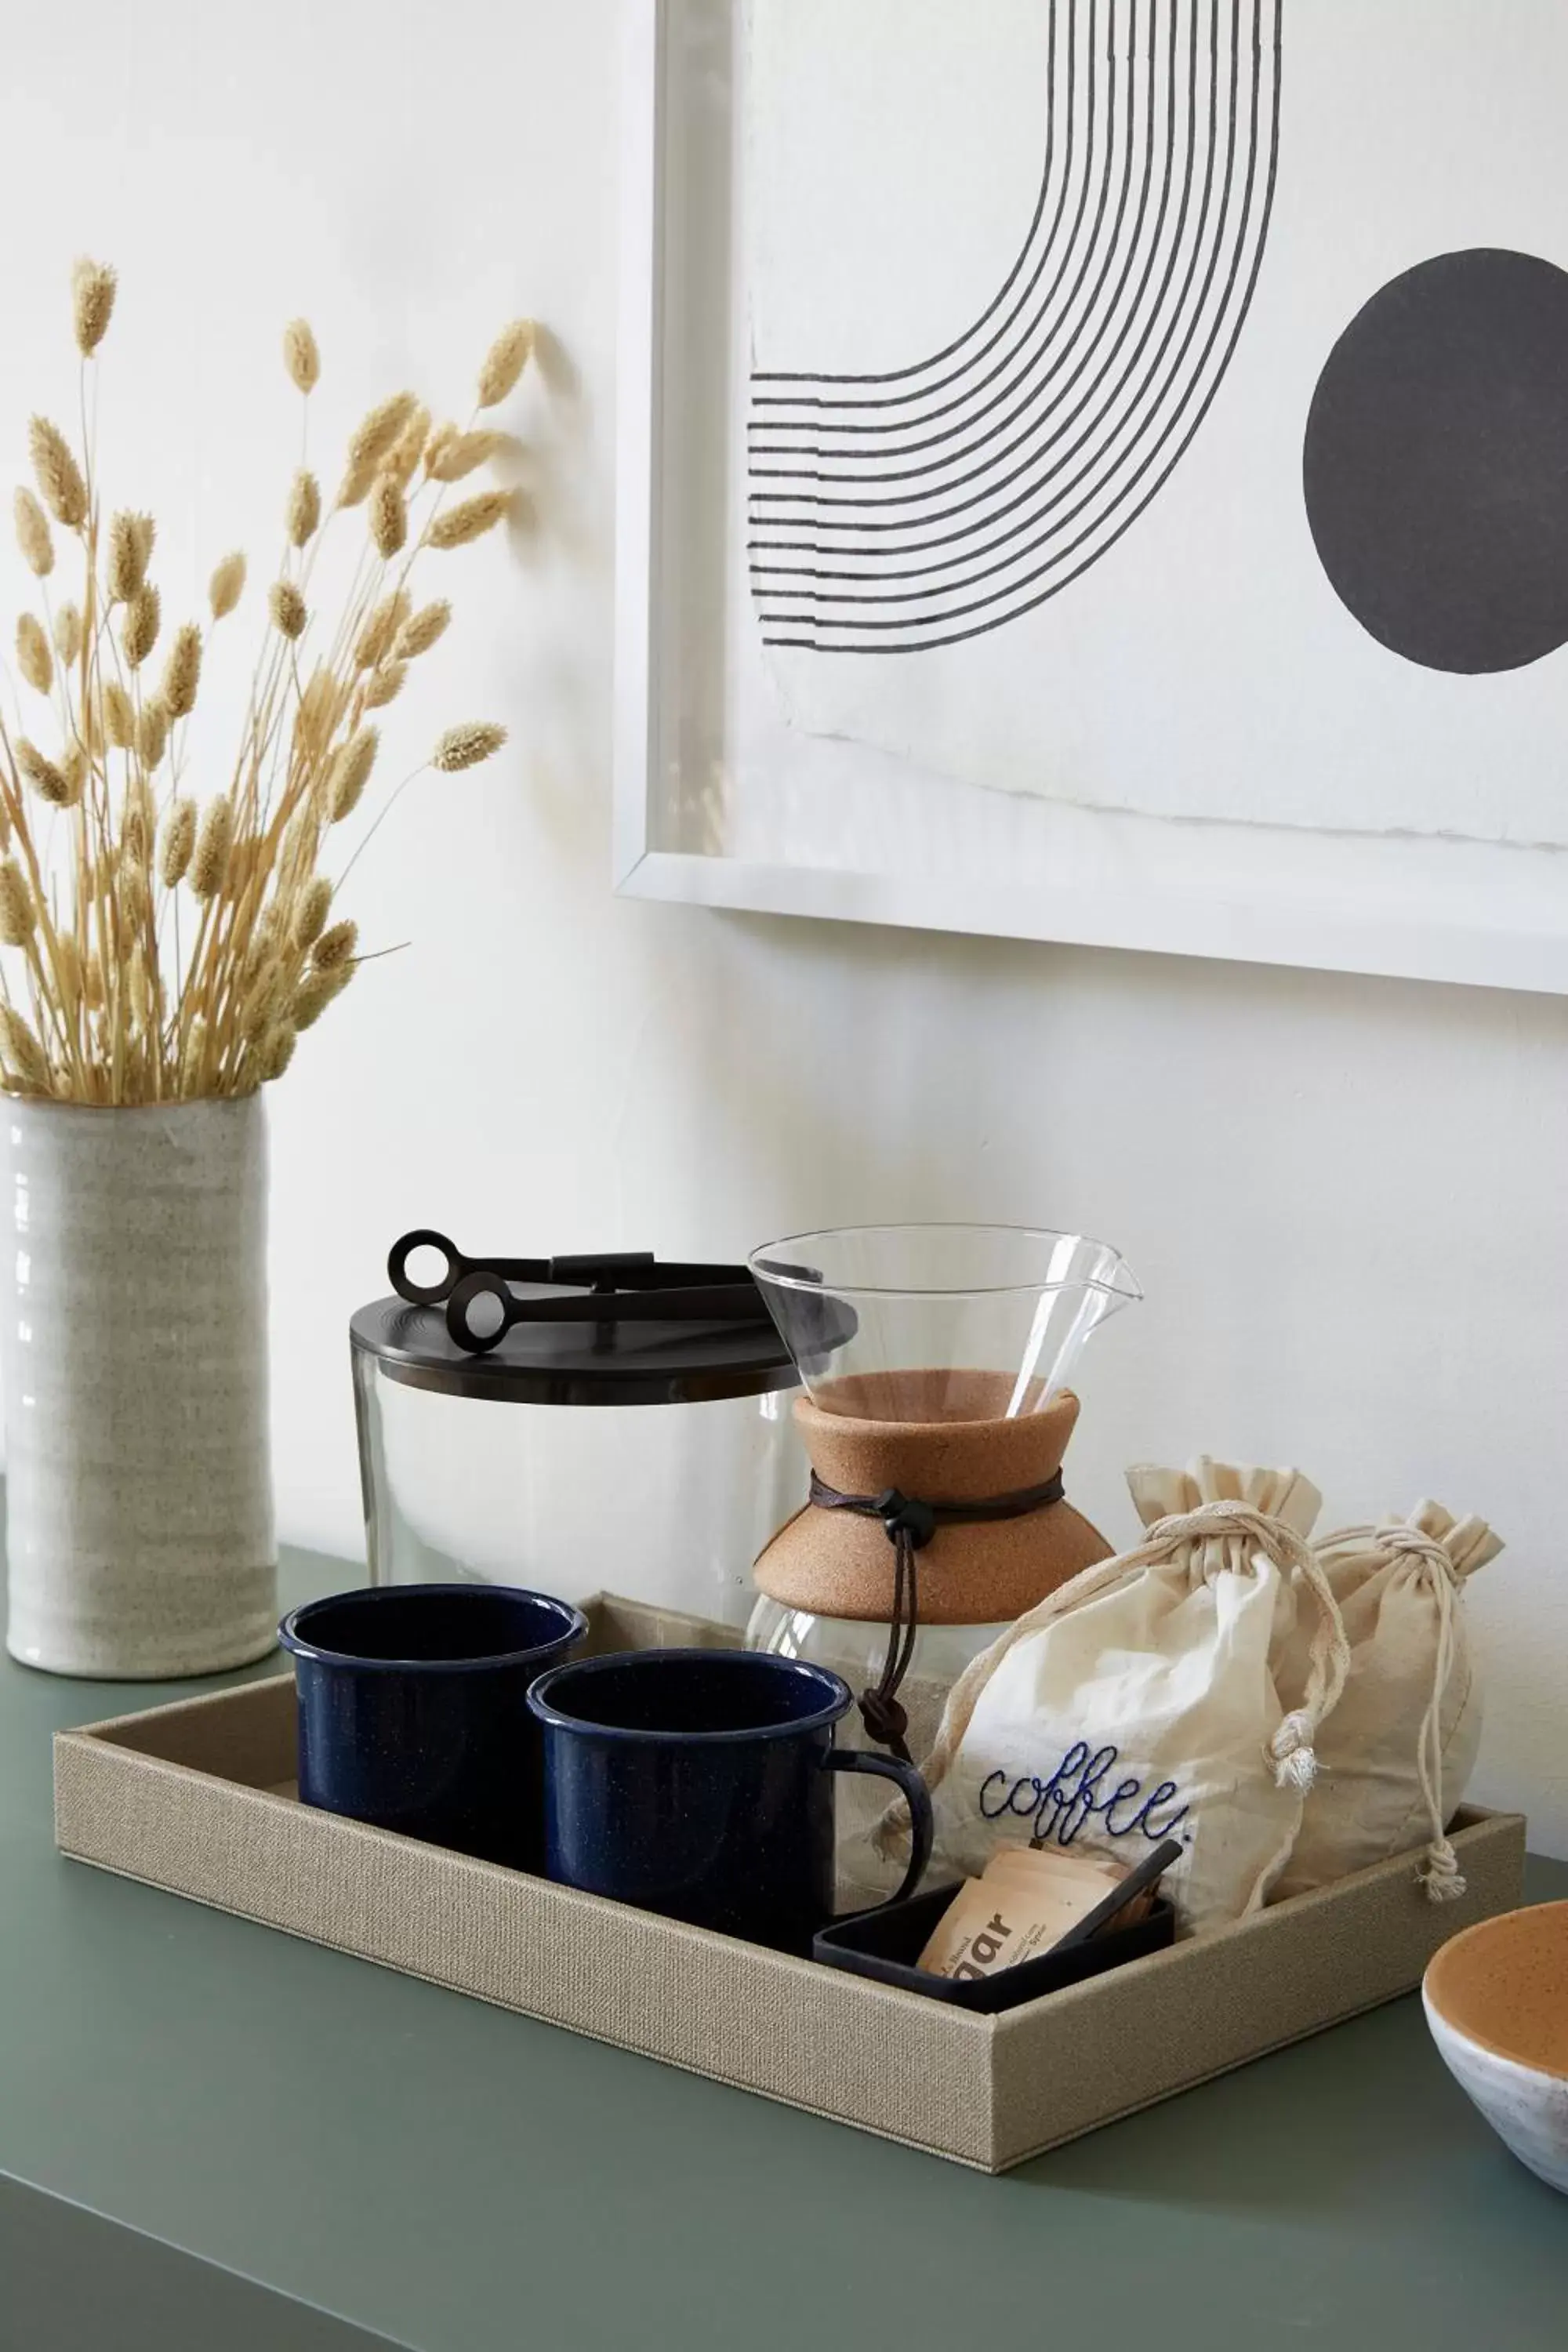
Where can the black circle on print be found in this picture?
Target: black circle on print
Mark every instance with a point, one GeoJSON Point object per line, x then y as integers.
{"type": "Point", "coordinates": [1436, 465]}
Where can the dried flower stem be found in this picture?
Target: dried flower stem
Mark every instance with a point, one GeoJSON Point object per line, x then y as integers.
{"type": "Point", "coordinates": [93, 1011]}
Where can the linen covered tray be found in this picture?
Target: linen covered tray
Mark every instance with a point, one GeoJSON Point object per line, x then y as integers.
{"type": "Point", "coordinates": [198, 1798]}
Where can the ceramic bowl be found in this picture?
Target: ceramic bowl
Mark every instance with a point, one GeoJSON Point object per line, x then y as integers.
{"type": "Point", "coordinates": [1496, 2003]}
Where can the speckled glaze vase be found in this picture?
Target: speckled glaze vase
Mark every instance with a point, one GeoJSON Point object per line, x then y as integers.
{"type": "Point", "coordinates": [133, 1354]}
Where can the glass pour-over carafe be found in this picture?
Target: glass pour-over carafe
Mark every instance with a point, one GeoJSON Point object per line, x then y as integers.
{"type": "Point", "coordinates": [935, 1363]}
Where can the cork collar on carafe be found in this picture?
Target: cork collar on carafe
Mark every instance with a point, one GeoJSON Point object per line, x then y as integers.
{"type": "Point", "coordinates": [953, 1442]}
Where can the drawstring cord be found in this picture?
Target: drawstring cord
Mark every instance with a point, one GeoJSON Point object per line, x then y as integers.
{"type": "Point", "coordinates": [909, 1525]}
{"type": "Point", "coordinates": [1441, 1875]}
{"type": "Point", "coordinates": [1290, 1751]}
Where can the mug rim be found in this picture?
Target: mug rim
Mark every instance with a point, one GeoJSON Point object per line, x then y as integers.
{"type": "Point", "coordinates": [297, 1641]}
{"type": "Point", "coordinates": [840, 1698]}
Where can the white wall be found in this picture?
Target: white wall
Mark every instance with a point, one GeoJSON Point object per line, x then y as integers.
{"type": "Point", "coordinates": [1345, 1198]}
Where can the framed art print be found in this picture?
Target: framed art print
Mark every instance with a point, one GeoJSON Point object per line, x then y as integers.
{"type": "Point", "coordinates": [1097, 470]}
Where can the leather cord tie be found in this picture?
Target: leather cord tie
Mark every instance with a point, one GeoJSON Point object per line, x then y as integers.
{"type": "Point", "coordinates": [910, 1524]}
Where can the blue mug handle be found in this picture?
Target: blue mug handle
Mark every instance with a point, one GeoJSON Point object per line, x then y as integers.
{"type": "Point", "coordinates": [916, 1796]}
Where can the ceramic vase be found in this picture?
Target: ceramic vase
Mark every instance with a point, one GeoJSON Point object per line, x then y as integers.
{"type": "Point", "coordinates": [133, 1354]}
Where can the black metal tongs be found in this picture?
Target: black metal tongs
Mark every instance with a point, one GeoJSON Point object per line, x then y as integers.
{"type": "Point", "coordinates": [610, 1287]}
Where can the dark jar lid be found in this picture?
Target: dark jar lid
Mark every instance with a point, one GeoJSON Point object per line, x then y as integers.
{"type": "Point", "coordinates": [647, 1361]}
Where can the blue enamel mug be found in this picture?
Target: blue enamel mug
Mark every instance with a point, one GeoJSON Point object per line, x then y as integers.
{"type": "Point", "coordinates": [413, 1703]}
{"type": "Point", "coordinates": [700, 1783]}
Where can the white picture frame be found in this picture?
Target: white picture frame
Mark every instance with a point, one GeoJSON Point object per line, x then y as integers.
{"type": "Point", "coordinates": [696, 821]}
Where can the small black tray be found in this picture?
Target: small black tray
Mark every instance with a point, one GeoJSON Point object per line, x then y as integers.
{"type": "Point", "coordinates": [886, 1943]}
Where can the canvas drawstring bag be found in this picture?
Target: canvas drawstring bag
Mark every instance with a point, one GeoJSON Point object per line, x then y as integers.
{"type": "Point", "coordinates": [1403, 1741]}
{"type": "Point", "coordinates": [1139, 1702]}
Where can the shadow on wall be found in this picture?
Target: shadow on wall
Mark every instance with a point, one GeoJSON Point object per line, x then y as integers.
{"type": "Point", "coordinates": [558, 671]}
{"type": "Point", "coordinates": [893, 1073]}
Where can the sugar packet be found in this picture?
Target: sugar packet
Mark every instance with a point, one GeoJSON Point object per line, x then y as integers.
{"type": "Point", "coordinates": [1022, 1905]}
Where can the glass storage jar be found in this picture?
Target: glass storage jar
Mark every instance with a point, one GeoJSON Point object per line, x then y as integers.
{"type": "Point", "coordinates": [582, 1426]}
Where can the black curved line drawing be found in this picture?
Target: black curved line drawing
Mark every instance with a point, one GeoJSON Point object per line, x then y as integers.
{"type": "Point", "coordinates": [770, 496]}
{"type": "Point", "coordinates": [1173, 377]}
{"type": "Point", "coordinates": [966, 508]}
{"type": "Point", "coordinates": [1177, 315]}
{"type": "Point", "coordinates": [1174, 321]}
{"type": "Point", "coordinates": [1031, 357]}
{"type": "Point", "coordinates": [844, 544]}
{"type": "Point", "coordinates": [1030, 408]}
{"type": "Point", "coordinates": [920, 367]}
{"type": "Point", "coordinates": [915, 448]}
{"type": "Point", "coordinates": [1062, 251]}
{"type": "Point", "coordinates": [964, 538]}
{"type": "Point", "coordinates": [963, 612]}
{"type": "Point", "coordinates": [833, 428]}
{"type": "Point", "coordinates": [948, 588]}
{"type": "Point", "coordinates": [951, 635]}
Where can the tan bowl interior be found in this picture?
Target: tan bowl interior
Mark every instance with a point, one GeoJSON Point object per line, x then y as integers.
{"type": "Point", "coordinates": [1505, 1985]}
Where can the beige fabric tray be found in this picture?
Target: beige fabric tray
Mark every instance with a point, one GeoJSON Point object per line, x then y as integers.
{"type": "Point", "coordinates": [198, 1798]}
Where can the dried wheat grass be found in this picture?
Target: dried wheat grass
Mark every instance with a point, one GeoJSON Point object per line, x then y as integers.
{"type": "Point", "coordinates": [300, 356]}
{"type": "Point", "coordinates": [67, 960]}
{"type": "Point", "coordinates": [311, 912]}
{"type": "Point", "coordinates": [336, 946]}
{"type": "Point", "coordinates": [287, 607]}
{"type": "Point", "coordinates": [373, 439]}
{"type": "Point", "coordinates": [215, 844]}
{"type": "Point", "coordinates": [67, 633]}
{"type": "Point", "coordinates": [242, 864]}
{"type": "Point", "coordinates": [130, 538]}
{"type": "Point", "coordinates": [471, 521]}
{"type": "Point", "coordinates": [465, 452]}
{"type": "Point", "coordinates": [119, 715]}
{"type": "Point", "coordinates": [194, 1056]}
{"type": "Point", "coordinates": [138, 820]}
{"type": "Point", "coordinates": [21, 1048]}
{"type": "Point", "coordinates": [277, 1053]}
{"type": "Point", "coordinates": [227, 585]}
{"type": "Point", "coordinates": [465, 747]}
{"type": "Point", "coordinates": [48, 780]}
{"type": "Point", "coordinates": [357, 484]}
{"type": "Point", "coordinates": [388, 517]}
{"type": "Point", "coordinates": [92, 304]}
{"type": "Point", "coordinates": [178, 844]}
{"type": "Point", "coordinates": [135, 899]}
{"type": "Point", "coordinates": [152, 731]}
{"type": "Point", "coordinates": [350, 772]}
{"type": "Point", "coordinates": [316, 991]}
{"type": "Point", "coordinates": [505, 360]}
{"type": "Point", "coordinates": [375, 640]}
{"type": "Point", "coordinates": [403, 459]}
{"type": "Point", "coordinates": [183, 670]}
{"type": "Point", "coordinates": [264, 999]}
{"type": "Point", "coordinates": [137, 990]}
{"type": "Point", "coordinates": [139, 629]}
{"type": "Point", "coordinates": [33, 535]}
{"type": "Point", "coordinates": [320, 707]}
{"type": "Point", "coordinates": [32, 656]}
{"type": "Point", "coordinates": [418, 634]}
{"type": "Point", "coordinates": [58, 476]}
{"type": "Point", "coordinates": [18, 915]}
{"type": "Point", "coordinates": [119, 1001]}
{"type": "Point", "coordinates": [304, 512]}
